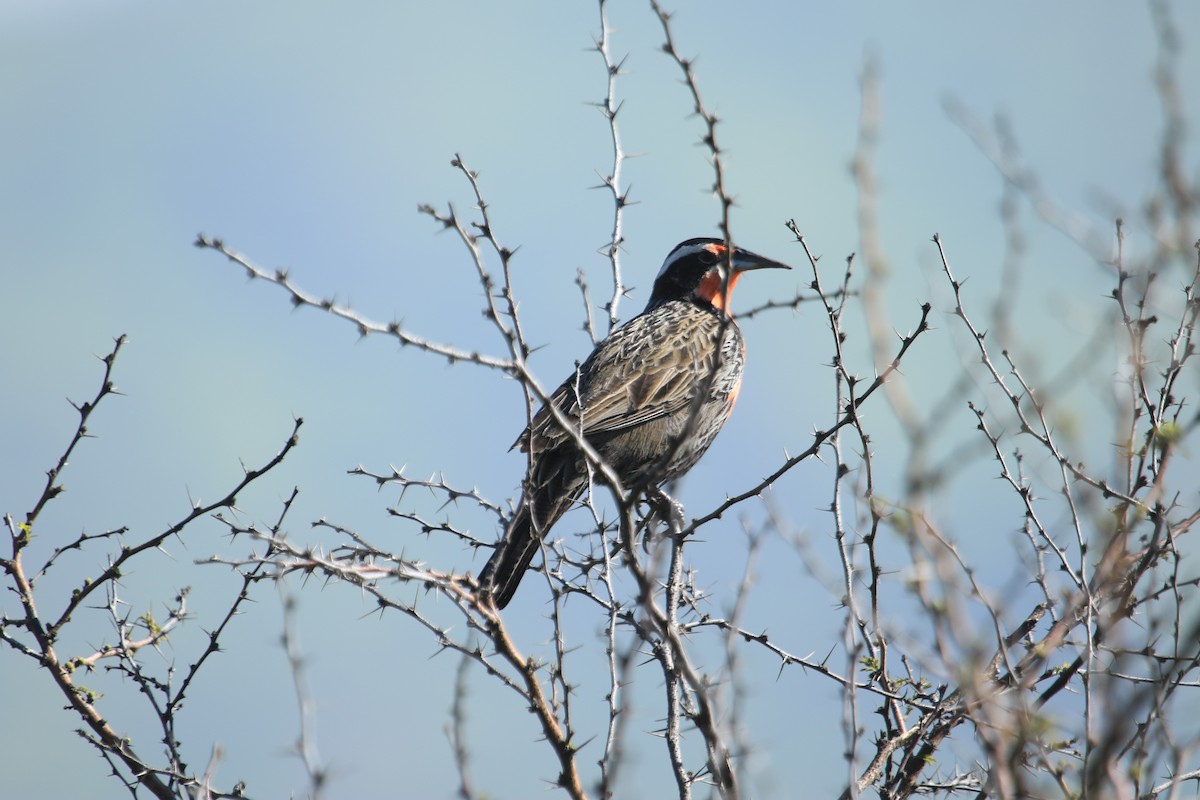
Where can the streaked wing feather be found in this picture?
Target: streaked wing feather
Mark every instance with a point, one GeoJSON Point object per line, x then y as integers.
{"type": "Point", "coordinates": [639, 386]}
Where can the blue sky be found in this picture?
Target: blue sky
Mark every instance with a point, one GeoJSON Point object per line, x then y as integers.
{"type": "Point", "coordinates": [306, 135]}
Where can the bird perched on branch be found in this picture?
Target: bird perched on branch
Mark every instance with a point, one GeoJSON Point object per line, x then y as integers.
{"type": "Point", "coordinates": [649, 400]}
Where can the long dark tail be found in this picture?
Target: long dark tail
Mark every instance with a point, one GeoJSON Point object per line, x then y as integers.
{"type": "Point", "coordinates": [505, 569]}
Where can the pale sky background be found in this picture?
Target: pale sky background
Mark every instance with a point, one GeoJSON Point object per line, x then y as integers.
{"type": "Point", "coordinates": [306, 134]}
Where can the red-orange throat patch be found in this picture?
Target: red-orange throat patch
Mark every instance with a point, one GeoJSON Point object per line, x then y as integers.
{"type": "Point", "coordinates": [709, 289]}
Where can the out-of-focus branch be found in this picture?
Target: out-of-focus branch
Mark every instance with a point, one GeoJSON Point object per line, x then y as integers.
{"type": "Point", "coordinates": [1175, 234]}
{"type": "Point", "coordinates": [1070, 223]}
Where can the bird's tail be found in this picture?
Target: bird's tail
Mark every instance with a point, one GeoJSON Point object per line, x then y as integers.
{"type": "Point", "coordinates": [505, 569]}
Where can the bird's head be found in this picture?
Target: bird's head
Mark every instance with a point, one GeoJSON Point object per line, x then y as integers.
{"type": "Point", "coordinates": [695, 270]}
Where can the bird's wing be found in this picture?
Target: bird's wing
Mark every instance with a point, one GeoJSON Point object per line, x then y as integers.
{"type": "Point", "coordinates": [642, 372]}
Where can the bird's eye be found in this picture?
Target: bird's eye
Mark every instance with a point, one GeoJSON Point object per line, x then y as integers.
{"type": "Point", "coordinates": [708, 257]}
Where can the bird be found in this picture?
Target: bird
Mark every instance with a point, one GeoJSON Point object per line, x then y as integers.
{"type": "Point", "coordinates": [649, 400]}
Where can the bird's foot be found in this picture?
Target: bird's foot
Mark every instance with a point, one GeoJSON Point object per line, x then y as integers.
{"type": "Point", "coordinates": [669, 510]}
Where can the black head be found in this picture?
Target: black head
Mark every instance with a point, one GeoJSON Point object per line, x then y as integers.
{"type": "Point", "coordinates": [695, 269]}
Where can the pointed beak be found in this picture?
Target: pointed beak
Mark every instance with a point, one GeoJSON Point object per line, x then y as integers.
{"type": "Point", "coordinates": [744, 261]}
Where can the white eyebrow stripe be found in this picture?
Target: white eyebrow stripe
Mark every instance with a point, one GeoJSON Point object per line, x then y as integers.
{"type": "Point", "coordinates": [684, 249]}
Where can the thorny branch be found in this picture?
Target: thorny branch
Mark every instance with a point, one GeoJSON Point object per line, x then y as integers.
{"type": "Point", "coordinates": [1103, 550]}
{"type": "Point", "coordinates": [611, 180]}
{"type": "Point", "coordinates": [299, 297]}
{"type": "Point", "coordinates": [38, 635]}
